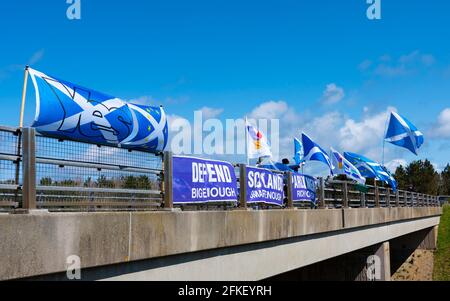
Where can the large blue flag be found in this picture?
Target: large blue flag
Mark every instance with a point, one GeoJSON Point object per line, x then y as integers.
{"type": "Point", "coordinates": [68, 111]}
{"type": "Point", "coordinates": [403, 133]}
{"type": "Point", "coordinates": [371, 169]}
{"type": "Point", "coordinates": [313, 152]}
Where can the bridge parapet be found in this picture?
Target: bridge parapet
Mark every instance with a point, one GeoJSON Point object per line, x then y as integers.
{"type": "Point", "coordinates": [40, 243]}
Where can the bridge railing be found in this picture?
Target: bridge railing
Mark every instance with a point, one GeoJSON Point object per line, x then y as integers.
{"type": "Point", "coordinates": [38, 172]}
{"type": "Point", "coordinates": [341, 194]}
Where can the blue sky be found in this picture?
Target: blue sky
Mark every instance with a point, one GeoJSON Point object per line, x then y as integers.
{"type": "Point", "coordinates": [321, 66]}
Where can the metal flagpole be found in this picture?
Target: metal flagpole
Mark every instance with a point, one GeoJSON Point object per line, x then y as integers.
{"type": "Point", "coordinates": [246, 141]}
{"type": "Point", "coordinates": [24, 94]}
{"type": "Point", "coordinates": [384, 137]}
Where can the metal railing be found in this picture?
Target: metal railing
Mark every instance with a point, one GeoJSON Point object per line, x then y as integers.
{"type": "Point", "coordinates": [38, 172]}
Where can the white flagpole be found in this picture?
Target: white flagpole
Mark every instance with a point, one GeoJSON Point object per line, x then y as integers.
{"type": "Point", "coordinates": [246, 141]}
{"type": "Point", "coordinates": [24, 95]}
{"type": "Point", "coordinates": [384, 137]}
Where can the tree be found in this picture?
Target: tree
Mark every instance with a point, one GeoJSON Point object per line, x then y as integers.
{"type": "Point", "coordinates": [419, 176]}
{"type": "Point", "coordinates": [402, 178]}
{"type": "Point", "coordinates": [103, 182]}
{"type": "Point", "coordinates": [445, 181]}
{"type": "Point", "coordinates": [46, 181]}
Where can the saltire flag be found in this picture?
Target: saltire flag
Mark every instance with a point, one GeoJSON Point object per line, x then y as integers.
{"type": "Point", "coordinates": [68, 111]}
{"type": "Point", "coordinates": [392, 182]}
{"type": "Point", "coordinates": [343, 167]}
{"type": "Point", "coordinates": [313, 152]}
{"type": "Point", "coordinates": [275, 166]}
{"type": "Point", "coordinates": [371, 169]}
{"type": "Point", "coordinates": [298, 152]}
{"type": "Point", "coordinates": [257, 143]}
{"type": "Point", "coordinates": [403, 133]}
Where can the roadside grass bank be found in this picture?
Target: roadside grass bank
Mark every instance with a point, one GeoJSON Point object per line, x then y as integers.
{"type": "Point", "coordinates": [442, 255]}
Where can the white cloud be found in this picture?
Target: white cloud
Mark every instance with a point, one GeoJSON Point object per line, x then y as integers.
{"type": "Point", "coordinates": [211, 112]}
{"type": "Point", "coordinates": [405, 64]}
{"type": "Point", "coordinates": [332, 94]}
{"type": "Point", "coordinates": [366, 135]}
{"type": "Point", "coordinates": [269, 110]}
{"type": "Point", "coordinates": [393, 164]}
{"type": "Point", "coordinates": [442, 128]}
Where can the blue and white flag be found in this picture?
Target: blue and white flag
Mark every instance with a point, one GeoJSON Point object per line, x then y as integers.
{"type": "Point", "coordinates": [313, 152]}
{"type": "Point", "coordinates": [343, 167]}
{"type": "Point", "coordinates": [371, 169]}
{"type": "Point", "coordinates": [298, 152]}
{"type": "Point", "coordinates": [68, 111]}
{"type": "Point", "coordinates": [403, 133]}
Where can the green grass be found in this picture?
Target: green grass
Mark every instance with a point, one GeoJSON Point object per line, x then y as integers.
{"type": "Point", "coordinates": [442, 255]}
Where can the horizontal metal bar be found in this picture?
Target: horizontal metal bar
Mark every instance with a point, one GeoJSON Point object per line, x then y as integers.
{"type": "Point", "coordinates": [12, 158]}
{"type": "Point", "coordinates": [8, 129]}
{"type": "Point", "coordinates": [8, 204]}
{"type": "Point", "coordinates": [95, 204]}
{"type": "Point", "coordinates": [91, 189]}
{"type": "Point", "coordinates": [96, 166]}
{"type": "Point", "coordinates": [82, 197]}
{"type": "Point", "coordinates": [9, 187]}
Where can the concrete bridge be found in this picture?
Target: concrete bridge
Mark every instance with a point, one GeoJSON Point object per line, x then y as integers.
{"type": "Point", "coordinates": [214, 245]}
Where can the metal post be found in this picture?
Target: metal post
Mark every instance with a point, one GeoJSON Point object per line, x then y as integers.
{"type": "Point", "coordinates": [168, 191]}
{"type": "Point", "coordinates": [345, 195]}
{"type": "Point", "coordinates": [243, 186]}
{"type": "Point", "coordinates": [397, 198]}
{"type": "Point", "coordinates": [290, 201]}
{"type": "Point", "coordinates": [388, 197]}
{"type": "Point", "coordinates": [363, 200]}
{"type": "Point", "coordinates": [406, 198]}
{"type": "Point", "coordinates": [29, 169]}
{"type": "Point", "coordinates": [377, 195]}
{"type": "Point", "coordinates": [321, 193]}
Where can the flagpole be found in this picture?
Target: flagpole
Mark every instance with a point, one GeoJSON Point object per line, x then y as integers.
{"type": "Point", "coordinates": [246, 141]}
{"type": "Point", "coordinates": [384, 138]}
{"type": "Point", "coordinates": [24, 94]}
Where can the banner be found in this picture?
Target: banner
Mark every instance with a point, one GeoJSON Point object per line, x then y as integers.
{"type": "Point", "coordinates": [68, 111]}
{"type": "Point", "coordinates": [303, 188]}
{"type": "Point", "coordinates": [202, 181]}
{"type": "Point", "coordinates": [264, 186]}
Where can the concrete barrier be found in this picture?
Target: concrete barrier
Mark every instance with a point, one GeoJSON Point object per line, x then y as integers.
{"type": "Point", "coordinates": [38, 244]}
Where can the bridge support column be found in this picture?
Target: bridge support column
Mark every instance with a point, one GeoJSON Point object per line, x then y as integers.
{"type": "Point", "coordinates": [384, 254]}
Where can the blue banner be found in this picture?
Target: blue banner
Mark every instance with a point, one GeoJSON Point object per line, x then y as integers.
{"type": "Point", "coordinates": [264, 186]}
{"type": "Point", "coordinates": [303, 188]}
{"type": "Point", "coordinates": [202, 181]}
{"type": "Point", "coordinates": [68, 111]}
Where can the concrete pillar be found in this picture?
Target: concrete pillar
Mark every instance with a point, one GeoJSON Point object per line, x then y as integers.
{"type": "Point", "coordinates": [430, 240]}
{"type": "Point", "coordinates": [383, 252]}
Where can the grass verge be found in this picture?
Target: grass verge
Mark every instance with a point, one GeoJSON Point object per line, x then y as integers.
{"type": "Point", "coordinates": [442, 255]}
